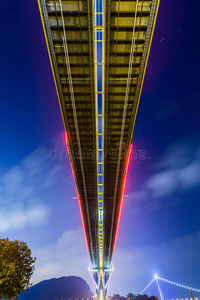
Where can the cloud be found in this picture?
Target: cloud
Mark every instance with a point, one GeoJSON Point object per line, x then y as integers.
{"type": "Point", "coordinates": [189, 176]}
{"type": "Point", "coordinates": [19, 218]}
{"type": "Point", "coordinates": [68, 256]}
{"type": "Point", "coordinates": [24, 191]}
{"type": "Point", "coordinates": [176, 173]}
{"type": "Point", "coordinates": [178, 170]}
{"type": "Point", "coordinates": [162, 184]}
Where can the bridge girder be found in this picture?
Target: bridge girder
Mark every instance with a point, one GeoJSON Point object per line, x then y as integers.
{"type": "Point", "coordinates": [69, 27]}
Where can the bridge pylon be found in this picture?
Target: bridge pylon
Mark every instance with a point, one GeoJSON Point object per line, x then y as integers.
{"type": "Point", "coordinates": [101, 292]}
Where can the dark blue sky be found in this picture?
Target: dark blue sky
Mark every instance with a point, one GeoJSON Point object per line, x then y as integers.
{"type": "Point", "coordinates": [160, 224]}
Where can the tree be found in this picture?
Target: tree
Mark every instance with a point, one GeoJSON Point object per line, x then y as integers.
{"type": "Point", "coordinates": [16, 268]}
{"type": "Point", "coordinates": [118, 297]}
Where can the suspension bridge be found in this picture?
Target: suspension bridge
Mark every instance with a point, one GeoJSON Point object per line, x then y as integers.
{"type": "Point", "coordinates": [98, 51]}
{"type": "Point", "coordinates": [170, 290]}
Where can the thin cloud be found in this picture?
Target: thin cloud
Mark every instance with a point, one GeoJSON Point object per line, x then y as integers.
{"type": "Point", "coordinates": [177, 172]}
{"type": "Point", "coordinates": [18, 218]}
{"type": "Point", "coordinates": [23, 189]}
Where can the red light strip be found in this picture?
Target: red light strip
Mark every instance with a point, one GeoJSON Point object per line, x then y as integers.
{"type": "Point", "coordinates": [66, 139]}
{"type": "Point", "coordinates": [79, 202]}
{"type": "Point", "coordinates": [122, 195]}
{"type": "Point", "coordinates": [83, 223]}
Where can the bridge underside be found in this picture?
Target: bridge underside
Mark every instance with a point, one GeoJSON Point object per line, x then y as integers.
{"type": "Point", "coordinates": [128, 27]}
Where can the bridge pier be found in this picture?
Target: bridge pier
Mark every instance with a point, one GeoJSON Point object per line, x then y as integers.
{"type": "Point", "coordinates": [101, 295]}
{"type": "Point", "coordinates": [101, 278]}
{"type": "Point", "coordinates": [101, 292]}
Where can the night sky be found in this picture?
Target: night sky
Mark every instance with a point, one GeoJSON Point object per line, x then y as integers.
{"type": "Point", "coordinates": [160, 224]}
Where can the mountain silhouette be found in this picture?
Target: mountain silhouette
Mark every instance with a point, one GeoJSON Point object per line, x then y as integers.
{"type": "Point", "coordinates": [63, 288]}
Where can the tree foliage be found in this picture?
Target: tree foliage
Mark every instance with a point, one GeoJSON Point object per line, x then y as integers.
{"type": "Point", "coordinates": [118, 297]}
{"type": "Point", "coordinates": [130, 295]}
{"type": "Point", "coordinates": [16, 268]}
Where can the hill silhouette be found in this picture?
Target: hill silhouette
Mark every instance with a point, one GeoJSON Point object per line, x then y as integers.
{"type": "Point", "coordinates": [63, 288]}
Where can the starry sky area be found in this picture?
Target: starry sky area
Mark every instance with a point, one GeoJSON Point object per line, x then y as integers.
{"type": "Point", "coordinates": [160, 224]}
